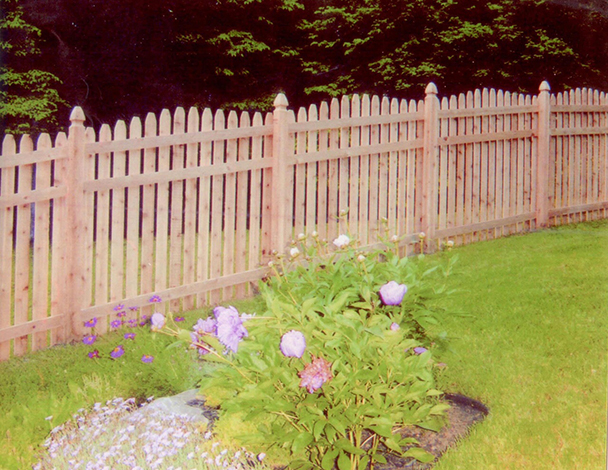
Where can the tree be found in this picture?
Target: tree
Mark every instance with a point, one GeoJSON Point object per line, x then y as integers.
{"type": "Point", "coordinates": [29, 100]}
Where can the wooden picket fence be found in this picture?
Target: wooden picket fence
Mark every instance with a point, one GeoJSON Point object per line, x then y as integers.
{"type": "Point", "coordinates": [188, 208]}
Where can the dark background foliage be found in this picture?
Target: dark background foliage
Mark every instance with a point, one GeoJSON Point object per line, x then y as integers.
{"type": "Point", "coordinates": [119, 58]}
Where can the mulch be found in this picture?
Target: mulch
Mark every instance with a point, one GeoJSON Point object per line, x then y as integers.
{"type": "Point", "coordinates": [464, 413]}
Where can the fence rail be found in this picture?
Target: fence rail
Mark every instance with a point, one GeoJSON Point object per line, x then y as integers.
{"type": "Point", "coordinates": [190, 206]}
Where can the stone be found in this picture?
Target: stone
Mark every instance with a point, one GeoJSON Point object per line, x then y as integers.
{"type": "Point", "coordinates": [187, 404]}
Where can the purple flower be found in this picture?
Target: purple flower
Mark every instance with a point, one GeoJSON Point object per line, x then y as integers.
{"type": "Point", "coordinates": [394, 326]}
{"type": "Point", "coordinates": [121, 314]}
{"type": "Point", "coordinates": [116, 323]}
{"type": "Point", "coordinates": [420, 350]}
{"type": "Point", "coordinates": [89, 339]}
{"type": "Point", "coordinates": [129, 335]}
{"type": "Point", "coordinates": [91, 323]}
{"type": "Point", "coordinates": [209, 325]}
{"type": "Point", "coordinates": [199, 344]}
{"type": "Point", "coordinates": [178, 319]}
{"type": "Point", "coordinates": [119, 307]}
{"type": "Point", "coordinates": [293, 344]}
{"type": "Point", "coordinates": [147, 359]}
{"type": "Point", "coordinates": [134, 309]}
{"type": "Point", "coordinates": [158, 321]}
{"type": "Point", "coordinates": [230, 329]}
{"type": "Point", "coordinates": [315, 374]}
{"type": "Point", "coordinates": [94, 354]}
{"type": "Point", "coordinates": [392, 293]}
{"type": "Point", "coordinates": [132, 322]}
{"type": "Point", "coordinates": [117, 352]}
{"type": "Point", "coordinates": [155, 299]}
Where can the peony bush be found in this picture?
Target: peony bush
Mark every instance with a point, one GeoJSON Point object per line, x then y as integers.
{"type": "Point", "coordinates": [340, 359]}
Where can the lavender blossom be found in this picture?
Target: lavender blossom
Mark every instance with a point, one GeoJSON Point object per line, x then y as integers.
{"type": "Point", "coordinates": [158, 321]}
{"type": "Point", "coordinates": [293, 344]}
{"type": "Point", "coordinates": [392, 293]}
{"type": "Point", "coordinates": [209, 326]}
{"type": "Point", "coordinates": [420, 350]}
{"type": "Point", "coordinates": [230, 329]}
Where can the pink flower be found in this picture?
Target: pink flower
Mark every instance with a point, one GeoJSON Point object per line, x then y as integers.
{"type": "Point", "coordinates": [394, 326]}
{"type": "Point", "coordinates": [392, 293]}
{"type": "Point", "coordinates": [420, 350]}
{"type": "Point", "coordinates": [315, 374]}
{"type": "Point", "coordinates": [293, 344]}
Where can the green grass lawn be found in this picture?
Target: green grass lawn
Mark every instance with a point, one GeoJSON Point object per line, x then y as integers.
{"type": "Point", "coordinates": [533, 348]}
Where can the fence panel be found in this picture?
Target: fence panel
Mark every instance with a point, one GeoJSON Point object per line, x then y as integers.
{"type": "Point", "coordinates": [189, 208]}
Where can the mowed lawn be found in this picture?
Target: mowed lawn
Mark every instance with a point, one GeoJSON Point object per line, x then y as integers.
{"type": "Point", "coordinates": [534, 349]}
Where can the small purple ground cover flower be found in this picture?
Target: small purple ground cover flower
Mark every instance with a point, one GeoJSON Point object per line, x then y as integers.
{"type": "Point", "coordinates": [155, 299]}
{"type": "Point", "coordinates": [129, 335]}
{"type": "Point", "coordinates": [178, 319]}
{"type": "Point", "coordinates": [420, 350]}
{"type": "Point", "coordinates": [94, 354]}
{"type": "Point", "coordinates": [116, 323]}
{"type": "Point", "coordinates": [89, 339]}
{"type": "Point", "coordinates": [91, 323]}
{"type": "Point", "coordinates": [147, 358]}
{"type": "Point", "coordinates": [117, 352]}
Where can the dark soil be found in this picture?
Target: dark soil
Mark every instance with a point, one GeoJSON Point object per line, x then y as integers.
{"type": "Point", "coordinates": [463, 414]}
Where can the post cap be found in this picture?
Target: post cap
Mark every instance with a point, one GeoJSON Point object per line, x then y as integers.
{"type": "Point", "coordinates": [77, 115]}
{"type": "Point", "coordinates": [431, 89]}
{"type": "Point", "coordinates": [544, 86]}
{"type": "Point", "coordinates": [280, 101]}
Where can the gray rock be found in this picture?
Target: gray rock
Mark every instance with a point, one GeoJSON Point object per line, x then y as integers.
{"type": "Point", "coordinates": [187, 404]}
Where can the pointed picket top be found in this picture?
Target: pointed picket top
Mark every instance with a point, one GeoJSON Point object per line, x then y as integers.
{"type": "Point", "coordinates": [544, 86]}
{"type": "Point", "coordinates": [281, 101]}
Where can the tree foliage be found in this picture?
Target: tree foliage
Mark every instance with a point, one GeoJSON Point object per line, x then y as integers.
{"type": "Point", "coordinates": [122, 57]}
{"type": "Point", "coordinates": [29, 100]}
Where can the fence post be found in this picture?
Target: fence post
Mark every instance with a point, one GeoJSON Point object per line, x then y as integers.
{"type": "Point", "coordinates": [73, 241]}
{"type": "Point", "coordinates": [542, 161]}
{"type": "Point", "coordinates": [426, 190]}
{"type": "Point", "coordinates": [280, 192]}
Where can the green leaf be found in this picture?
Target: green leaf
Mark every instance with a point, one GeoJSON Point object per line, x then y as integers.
{"type": "Point", "coordinates": [419, 454]}
{"type": "Point", "coordinates": [343, 461]}
{"type": "Point", "coordinates": [301, 442]}
{"type": "Point", "coordinates": [347, 446]}
{"type": "Point", "coordinates": [329, 459]}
